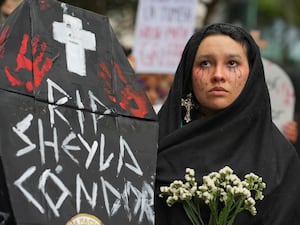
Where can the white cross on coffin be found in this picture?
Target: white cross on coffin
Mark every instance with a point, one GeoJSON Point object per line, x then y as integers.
{"type": "Point", "coordinates": [77, 40]}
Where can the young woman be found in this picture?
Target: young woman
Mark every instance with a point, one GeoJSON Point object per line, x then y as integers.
{"type": "Point", "coordinates": [218, 113]}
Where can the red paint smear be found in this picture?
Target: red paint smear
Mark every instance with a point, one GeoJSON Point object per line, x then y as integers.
{"type": "Point", "coordinates": [106, 76]}
{"type": "Point", "coordinates": [22, 61]}
{"type": "Point", "coordinates": [40, 73]}
{"type": "Point", "coordinates": [25, 63]}
{"type": "Point", "coordinates": [3, 38]}
{"type": "Point", "coordinates": [128, 94]}
{"type": "Point", "coordinates": [35, 44]}
{"type": "Point", "coordinates": [12, 80]}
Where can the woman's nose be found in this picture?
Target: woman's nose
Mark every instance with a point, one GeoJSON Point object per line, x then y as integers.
{"type": "Point", "coordinates": [219, 73]}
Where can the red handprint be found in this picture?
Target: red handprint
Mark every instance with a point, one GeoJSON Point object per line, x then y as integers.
{"type": "Point", "coordinates": [107, 77]}
{"type": "Point", "coordinates": [24, 62]}
{"type": "Point", "coordinates": [128, 94]}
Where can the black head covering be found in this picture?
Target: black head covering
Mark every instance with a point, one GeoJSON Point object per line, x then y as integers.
{"type": "Point", "coordinates": [241, 136]}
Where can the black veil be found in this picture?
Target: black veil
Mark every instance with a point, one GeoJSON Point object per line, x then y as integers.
{"type": "Point", "coordinates": [241, 136]}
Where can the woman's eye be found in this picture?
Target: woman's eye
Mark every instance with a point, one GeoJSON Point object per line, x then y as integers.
{"type": "Point", "coordinates": [232, 63]}
{"type": "Point", "coordinates": [205, 64]}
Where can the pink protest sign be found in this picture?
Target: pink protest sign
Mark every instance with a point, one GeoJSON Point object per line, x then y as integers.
{"type": "Point", "coordinates": [162, 29]}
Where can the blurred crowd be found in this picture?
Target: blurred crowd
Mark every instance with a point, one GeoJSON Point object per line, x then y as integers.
{"type": "Point", "coordinates": [155, 85]}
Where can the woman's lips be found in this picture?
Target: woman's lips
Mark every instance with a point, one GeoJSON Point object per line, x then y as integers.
{"type": "Point", "coordinates": [218, 91]}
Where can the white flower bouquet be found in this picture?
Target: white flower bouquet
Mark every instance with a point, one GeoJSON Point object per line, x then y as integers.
{"type": "Point", "coordinates": [224, 193]}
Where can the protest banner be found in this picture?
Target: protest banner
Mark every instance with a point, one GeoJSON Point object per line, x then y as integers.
{"type": "Point", "coordinates": [162, 29]}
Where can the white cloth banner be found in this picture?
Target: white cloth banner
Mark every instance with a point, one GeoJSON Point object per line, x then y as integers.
{"type": "Point", "coordinates": [282, 93]}
{"type": "Point", "coordinates": [162, 29]}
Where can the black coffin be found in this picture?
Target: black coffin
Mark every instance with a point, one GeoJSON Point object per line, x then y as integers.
{"type": "Point", "coordinates": [78, 137]}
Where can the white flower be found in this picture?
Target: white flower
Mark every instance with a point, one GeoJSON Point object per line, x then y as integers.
{"type": "Point", "coordinates": [207, 197]}
{"type": "Point", "coordinates": [249, 201]}
{"type": "Point", "coordinates": [226, 170]}
{"type": "Point", "coordinates": [220, 191]}
{"type": "Point", "coordinates": [164, 189]}
{"type": "Point", "coordinates": [190, 172]}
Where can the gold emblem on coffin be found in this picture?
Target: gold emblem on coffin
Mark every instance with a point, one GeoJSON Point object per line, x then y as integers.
{"type": "Point", "coordinates": [84, 219]}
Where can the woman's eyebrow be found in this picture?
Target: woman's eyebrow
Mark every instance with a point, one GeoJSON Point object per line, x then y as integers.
{"type": "Point", "coordinates": [204, 56]}
{"type": "Point", "coordinates": [208, 56]}
{"type": "Point", "coordinates": [234, 56]}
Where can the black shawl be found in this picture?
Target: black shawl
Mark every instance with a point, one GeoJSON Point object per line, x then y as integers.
{"type": "Point", "coordinates": [241, 136]}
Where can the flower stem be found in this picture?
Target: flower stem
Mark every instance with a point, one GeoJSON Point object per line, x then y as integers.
{"type": "Point", "coordinates": [192, 213]}
{"type": "Point", "coordinates": [237, 210]}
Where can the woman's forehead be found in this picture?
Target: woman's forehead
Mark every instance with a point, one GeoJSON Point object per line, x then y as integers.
{"type": "Point", "coordinates": [221, 44]}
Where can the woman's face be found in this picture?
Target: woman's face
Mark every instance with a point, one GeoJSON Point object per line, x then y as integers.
{"type": "Point", "coordinates": [219, 73]}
